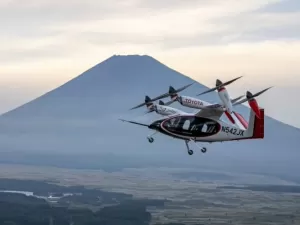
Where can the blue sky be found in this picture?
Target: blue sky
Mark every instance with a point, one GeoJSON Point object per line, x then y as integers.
{"type": "Point", "coordinates": [45, 43]}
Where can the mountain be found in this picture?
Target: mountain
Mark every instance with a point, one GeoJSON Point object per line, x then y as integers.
{"type": "Point", "coordinates": [79, 120]}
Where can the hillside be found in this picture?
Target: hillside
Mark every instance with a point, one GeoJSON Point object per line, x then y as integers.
{"type": "Point", "coordinates": [81, 118]}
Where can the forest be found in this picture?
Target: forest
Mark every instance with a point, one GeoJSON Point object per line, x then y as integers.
{"type": "Point", "coordinates": [19, 209]}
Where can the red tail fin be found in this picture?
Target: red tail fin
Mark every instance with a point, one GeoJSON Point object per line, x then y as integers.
{"type": "Point", "coordinates": [259, 125]}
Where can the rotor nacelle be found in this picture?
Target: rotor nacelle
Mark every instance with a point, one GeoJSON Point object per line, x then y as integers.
{"type": "Point", "coordinates": [149, 103]}
{"type": "Point", "coordinates": [173, 93]}
{"type": "Point", "coordinates": [253, 103]}
{"type": "Point", "coordinates": [250, 98]}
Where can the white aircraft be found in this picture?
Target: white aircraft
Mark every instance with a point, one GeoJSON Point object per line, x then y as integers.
{"type": "Point", "coordinates": [207, 126]}
{"type": "Point", "coordinates": [195, 103]}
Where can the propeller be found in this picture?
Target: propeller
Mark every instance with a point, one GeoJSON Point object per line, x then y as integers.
{"type": "Point", "coordinates": [174, 91]}
{"type": "Point", "coordinates": [184, 87]}
{"type": "Point", "coordinates": [138, 106]}
{"type": "Point", "coordinates": [153, 108]}
{"type": "Point", "coordinates": [250, 96]}
{"type": "Point", "coordinates": [148, 101]}
{"type": "Point", "coordinates": [219, 84]}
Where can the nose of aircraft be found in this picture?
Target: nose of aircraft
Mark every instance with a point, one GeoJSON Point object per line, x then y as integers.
{"type": "Point", "coordinates": [155, 125]}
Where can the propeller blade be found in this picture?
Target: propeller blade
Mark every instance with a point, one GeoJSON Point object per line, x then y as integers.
{"type": "Point", "coordinates": [184, 87]}
{"type": "Point", "coordinates": [148, 100]}
{"type": "Point", "coordinates": [208, 91]}
{"type": "Point", "coordinates": [250, 96]}
{"type": "Point", "coordinates": [174, 92]}
{"type": "Point", "coordinates": [260, 92]}
{"type": "Point", "coordinates": [219, 84]}
{"type": "Point", "coordinates": [138, 106]}
{"type": "Point", "coordinates": [231, 81]}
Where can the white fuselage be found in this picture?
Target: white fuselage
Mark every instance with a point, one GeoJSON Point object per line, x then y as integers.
{"type": "Point", "coordinates": [220, 131]}
{"type": "Point", "coordinates": [203, 129]}
{"type": "Point", "coordinates": [227, 132]}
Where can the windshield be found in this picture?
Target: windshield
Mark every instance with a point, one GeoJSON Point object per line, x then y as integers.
{"type": "Point", "coordinates": [192, 126]}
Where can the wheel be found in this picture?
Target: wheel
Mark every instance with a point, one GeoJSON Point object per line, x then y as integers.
{"type": "Point", "coordinates": [150, 139]}
{"type": "Point", "coordinates": [203, 150]}
{"type": "Point", "coordinates": [191, 152]}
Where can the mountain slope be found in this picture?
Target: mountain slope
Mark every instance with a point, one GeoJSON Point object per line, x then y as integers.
{"type": "Point", "coordinates": [81, 117]}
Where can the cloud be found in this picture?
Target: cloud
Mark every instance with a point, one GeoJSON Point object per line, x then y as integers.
{"type": "Point", "coordinates": [262, 64]}
{"type": "Point", "coordinates": [44, 29]}
{"type": "Point", "coordinates": [48, 42]}
{"type": "Point", "coordinates": [162, 20]}
{"type": "Point", "coordinates": [283, 6]}
{"type": "Point", "coordinates": [163, 24]}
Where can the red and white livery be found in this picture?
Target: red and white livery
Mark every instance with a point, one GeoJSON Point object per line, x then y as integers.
{"type": "Point", "coordinates": [206, 124]}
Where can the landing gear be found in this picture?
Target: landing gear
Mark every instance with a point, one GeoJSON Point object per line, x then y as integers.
{"type": "Point", "coordinates": [190, 151]}
{"type": "Point", "coordinates": [150, 138]}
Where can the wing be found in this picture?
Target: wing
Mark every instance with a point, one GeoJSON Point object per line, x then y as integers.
{"type": "Point", "coordinates": [210, 112]}
{"type": "Point", "coordinates": [214, 106]}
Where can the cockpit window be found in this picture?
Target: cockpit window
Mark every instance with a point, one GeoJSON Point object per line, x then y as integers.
{"type": "Point", "coordinates": [192, 126]}
{"type": "Point", "coordinates": [186, 125]}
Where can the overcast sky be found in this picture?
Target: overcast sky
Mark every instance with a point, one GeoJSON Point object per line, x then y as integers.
{"type": "Point", "coordinates": [45, 43]}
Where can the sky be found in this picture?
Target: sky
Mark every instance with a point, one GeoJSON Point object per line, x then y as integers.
{"type": "Point", "coordinates": [45, 43]}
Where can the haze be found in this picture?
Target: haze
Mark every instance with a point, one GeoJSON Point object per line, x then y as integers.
{"type": "Point", "coordinates": [46, 43]}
